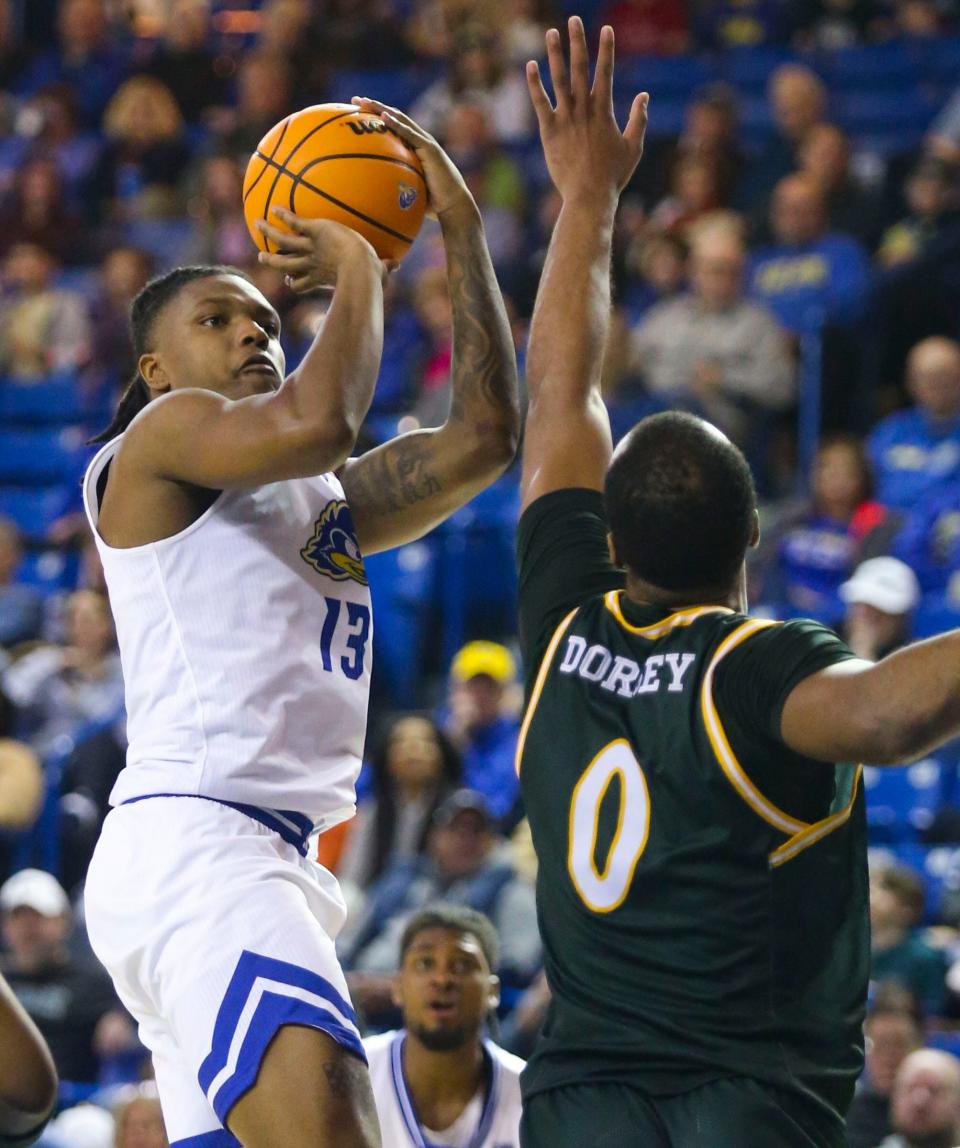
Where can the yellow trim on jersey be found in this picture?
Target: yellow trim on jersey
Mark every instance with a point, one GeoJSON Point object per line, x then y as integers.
{"type": "Point", "coordinates": [680, 618]}
{"type": "Point", "coordinates": [538, 685]}
{"type": "Point", "coordinates": [818, 830]}
{"type": "Point", "coordinates": [721, 746]}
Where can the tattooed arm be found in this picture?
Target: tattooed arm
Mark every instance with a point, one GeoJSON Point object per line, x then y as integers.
{"type": "Point", "coordinates": [404, 488]}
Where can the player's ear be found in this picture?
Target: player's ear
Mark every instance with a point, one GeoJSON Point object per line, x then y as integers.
{"type": "Point", "coordinates": [153, 373]}
{"type": "Point", "coordinates": [755, 530]}
{"type": "Point", "coordinates": [493, 998]}
{"type": "Point", "coordinates": [612, 550]}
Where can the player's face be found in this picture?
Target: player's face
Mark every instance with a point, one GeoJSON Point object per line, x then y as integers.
{"type": "Point", "coordinates": [219, 334]}
{"type": "Point", "coordinates": [445, 988]}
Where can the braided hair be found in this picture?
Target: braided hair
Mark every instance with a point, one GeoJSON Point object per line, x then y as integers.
{"type": "Point", "coordinates": [144, 309]}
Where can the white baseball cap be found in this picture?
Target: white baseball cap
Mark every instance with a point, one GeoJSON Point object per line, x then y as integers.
{"type": "Point", "coordinates": [34, 889]}
{"type": "Point", "coordinates": [887, 584]}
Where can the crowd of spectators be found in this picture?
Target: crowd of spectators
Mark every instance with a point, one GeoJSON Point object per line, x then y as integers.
{"type": "Point", "coordinates": [787, 264]}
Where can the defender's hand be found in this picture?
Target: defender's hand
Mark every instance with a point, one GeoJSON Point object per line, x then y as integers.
{"type": "Point", "coordinates": [446, 189]}
{"type": "Point", "coordinates": [587, 155]}
{"type": "Point", "coordinates": [312, 253]}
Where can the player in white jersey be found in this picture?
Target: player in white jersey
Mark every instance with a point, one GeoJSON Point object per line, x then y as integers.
{"type": "Point", "coordinates": [232, 525]}
{"type": "Point", "coordinates": [437, 1080]}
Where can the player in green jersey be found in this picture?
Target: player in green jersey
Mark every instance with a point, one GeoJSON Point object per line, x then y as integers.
{"type": "Point", "coordinates": [688, 772]}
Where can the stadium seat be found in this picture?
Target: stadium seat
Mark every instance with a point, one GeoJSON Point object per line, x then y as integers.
{"type": "Point", "coordinates": [399, 87]}
{"type": "Point", "coordinates": [35, 509]}
{"type": "Point", "coordinates": [666, 113]}
{"type": "Point", "coordinates": [939, 61]}
{"type": "Point", "coordinates": [860, 112]}
{"type": "Point", "coordinates": [664, 77]}
{"type": "Point", "coordinates": [55, 400]}
{"type": "Point", "coordinates": [871, 68]}
{"type": "Point", "coordinates": [901, 803]}
{"type": "Point", "coordinates": [749, 69]}
{"type": "Point", "coordinates": [42, 457]}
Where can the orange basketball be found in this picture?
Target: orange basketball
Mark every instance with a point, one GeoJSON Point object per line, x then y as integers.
{"type": "Point", "coordinates": [332, 161]}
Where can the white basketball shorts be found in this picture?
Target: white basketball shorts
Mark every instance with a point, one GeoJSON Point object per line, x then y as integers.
{"type": "Point", "coordinates": [217, 931]}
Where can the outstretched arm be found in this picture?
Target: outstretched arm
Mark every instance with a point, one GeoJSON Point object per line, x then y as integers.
{"type": "Point", "coordinates": [885, 713]}
{"type": "Point", "coordinates": [567, 438]}
{"type": "Point", "coordinates": [28, 1080]}
{"type": "Point", "coordinates": [404, 488]}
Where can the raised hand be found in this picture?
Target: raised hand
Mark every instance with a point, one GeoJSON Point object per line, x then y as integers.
{"type": "Point", "coordinates": [445, 186]}
{"type": "Point", "coordinates": [587, 155]}
{"type": "Point", "coordinates": [310, 252]}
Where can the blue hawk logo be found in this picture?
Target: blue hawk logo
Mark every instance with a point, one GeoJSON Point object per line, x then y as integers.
{"type": "Point", "coordinates": [408, 196]}
{"type": "Point", "coordinates": [333, 548]}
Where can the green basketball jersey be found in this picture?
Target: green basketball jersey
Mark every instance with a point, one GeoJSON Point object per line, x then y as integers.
{"type": "Point", "coordinates": [702, 890]}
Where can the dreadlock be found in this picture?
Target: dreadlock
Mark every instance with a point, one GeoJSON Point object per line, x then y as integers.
{"type": "Point", "coordinates": [144, 309]}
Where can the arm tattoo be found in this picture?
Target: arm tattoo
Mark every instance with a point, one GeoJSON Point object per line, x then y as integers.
{"type": "Point", "coordinates": [484, 377]}
{"type": "Point", "coordinates": [394, 477]}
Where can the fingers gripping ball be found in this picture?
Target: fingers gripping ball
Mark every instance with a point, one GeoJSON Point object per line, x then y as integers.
{"type": "Point", "coordinates": [332, 161]}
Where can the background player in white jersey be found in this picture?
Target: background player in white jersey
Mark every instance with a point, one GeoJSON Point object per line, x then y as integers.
{"type": "Point", "coordinates": [438, 1080]}
{"type": "Point", "coordinates": [233, 556]}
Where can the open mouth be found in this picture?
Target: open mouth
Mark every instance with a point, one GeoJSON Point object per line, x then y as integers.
{"type": "Point", "coordinates": [261, 365]}
{"type": "Point", "coordinates": [442, 1010]}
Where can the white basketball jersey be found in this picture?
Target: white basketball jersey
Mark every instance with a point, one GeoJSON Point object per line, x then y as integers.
{"type": "Point", "coordinates": [246, 648]}
{"type": "Point", "coordinates": [497, 1122]}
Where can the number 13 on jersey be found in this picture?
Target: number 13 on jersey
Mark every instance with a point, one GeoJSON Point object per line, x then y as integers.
{"type": "Point", "coordinates": [357, 631]}
{"type": "Point", "coordinates": [602, 890]}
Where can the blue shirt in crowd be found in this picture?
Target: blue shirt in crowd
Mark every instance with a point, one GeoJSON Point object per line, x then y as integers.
{"type": "Point", "coordinates": [929, 540]}
{"type": "Point", "coordinates": [814, 559]}
{"type": "Point", "coordinates": [805, 286]}
{"type": "Point", "coordinates": [912, 453]}
{"type": "Point", "coordinates": [488, 764]}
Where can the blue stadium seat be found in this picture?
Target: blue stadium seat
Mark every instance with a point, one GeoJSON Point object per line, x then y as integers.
{"type": "Point", "coordinates": [864, 112]}
{"type": "Point", "coordinates": [35, 509]}
{"type": "Point", "coordinates": [42, 457]}
{"type": "Point", "coordinates": [54, 400]}
{"type": "Point", "coordinates": [165, 239]}
{"type": "Point", "coordinates": [665, 116]}
{"type": "Point", "coordinates": [939, 866]}
{"type": "Point", "coordinates": [51, 570]}
{"type": "Point", "coordinates": [901, 803]}
{"type": "Point", "coordinates": [749, 69]}
{"type": "Point", "coordinates": [399, 87]}
{"type": "Point", "coordinates": [939, 59]}
{"type": "Point", "coordinates": [871, 68]}
{"type": "Point", "coordinates": [756, 120]}
{"type": "Point", "coordinates": [664, 77]}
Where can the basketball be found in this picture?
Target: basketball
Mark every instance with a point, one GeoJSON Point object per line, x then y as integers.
{"type": "Point", "coordinates": [332, 161]}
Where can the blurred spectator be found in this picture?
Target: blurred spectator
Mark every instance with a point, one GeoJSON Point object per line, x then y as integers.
{"type": "Point", "coordinates": [82, 1126]}
{"type": "Point", "coordinates": [123, 272]}
{"type": "Point", "coordinates": [43, 327]}
{"type": "Point", "coordinates": [710, 125]}
{"type": "Point", "coordinates": [414, 768]}
{"type": "Point", "coordinates": [431, 303]}
{"type": "Point", "coordinates": [813, 548]}
{"type": "Point", "coordinates": [482, 722]}
{"type": "Point", "coordinates": [264, 97]}
{"type": "Point", "coordinates": [49, 125]}
{"type": "Point", "coordinates": [831, 24]}
{"type": "Point", "coordinates": [69, 998]}
{"type": "Point", "coordinates": [21, 607]}
{"type": "Point", "coordinates": [36, 211]}
{"type": "Point", "coordinates": [185, 63]}
{"type": "Point", "coordinates": [808, 276]}
{"type": "Point", "coordinates": [525, 23]}
{"type": "Point", "coordinates": [138, 174]}
{"type": "Point", "coordinates": [21, 794]}
{"type": "Point", "coordinates": [655, 271]}
{"type": "Point", "coordinates": [291, 30]}
{"type": "Point", "coordinates": [462, 866]}
{"type": "Point", "coordinates": [918, 449]}
{"type": "Point", "coordinates": [713, 352]}
{"type": "Point", "coordinates": [522, 1027]}
{"type": "Point", "coordinates": [741, 23]}
{"type": "Point", "coordinates": [943, 135]}
{"type": "Point", "coordinates": [898, 951]}
{"type": "Point", "coordinates": [797, 100]}
{"type": "Point", "coordinates": [931, 194]}
{"type": "Point", "coordinates": [925, 1107]}
{"type": "Point", "coordinates": [217, 213]}
{"type": "Point", "coordinates": [86, 57]}
{"type": "Point", "coordinates": [648, 27]}
{"type": "Point", "coordinates": [696, 190]}
{"type": "Point", "coordinates": [14, 54]}
{"type": "Point", "coordinates": [56, 688]}
{"type": "Point", "coordinates": [492, 176]}
{"type": "Point", "coordinates": [477, 73]}
{"type": "Point", "coordinates": [348, 39]}
{"type": "Point", "coordinates": [891, 1032]}
{"type": "Point", "coordinates": [139, 1124]}
{"type": "Point", "coordinates": [881, 597]}
{"type": "Point", "coordinates": [825, 156]}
